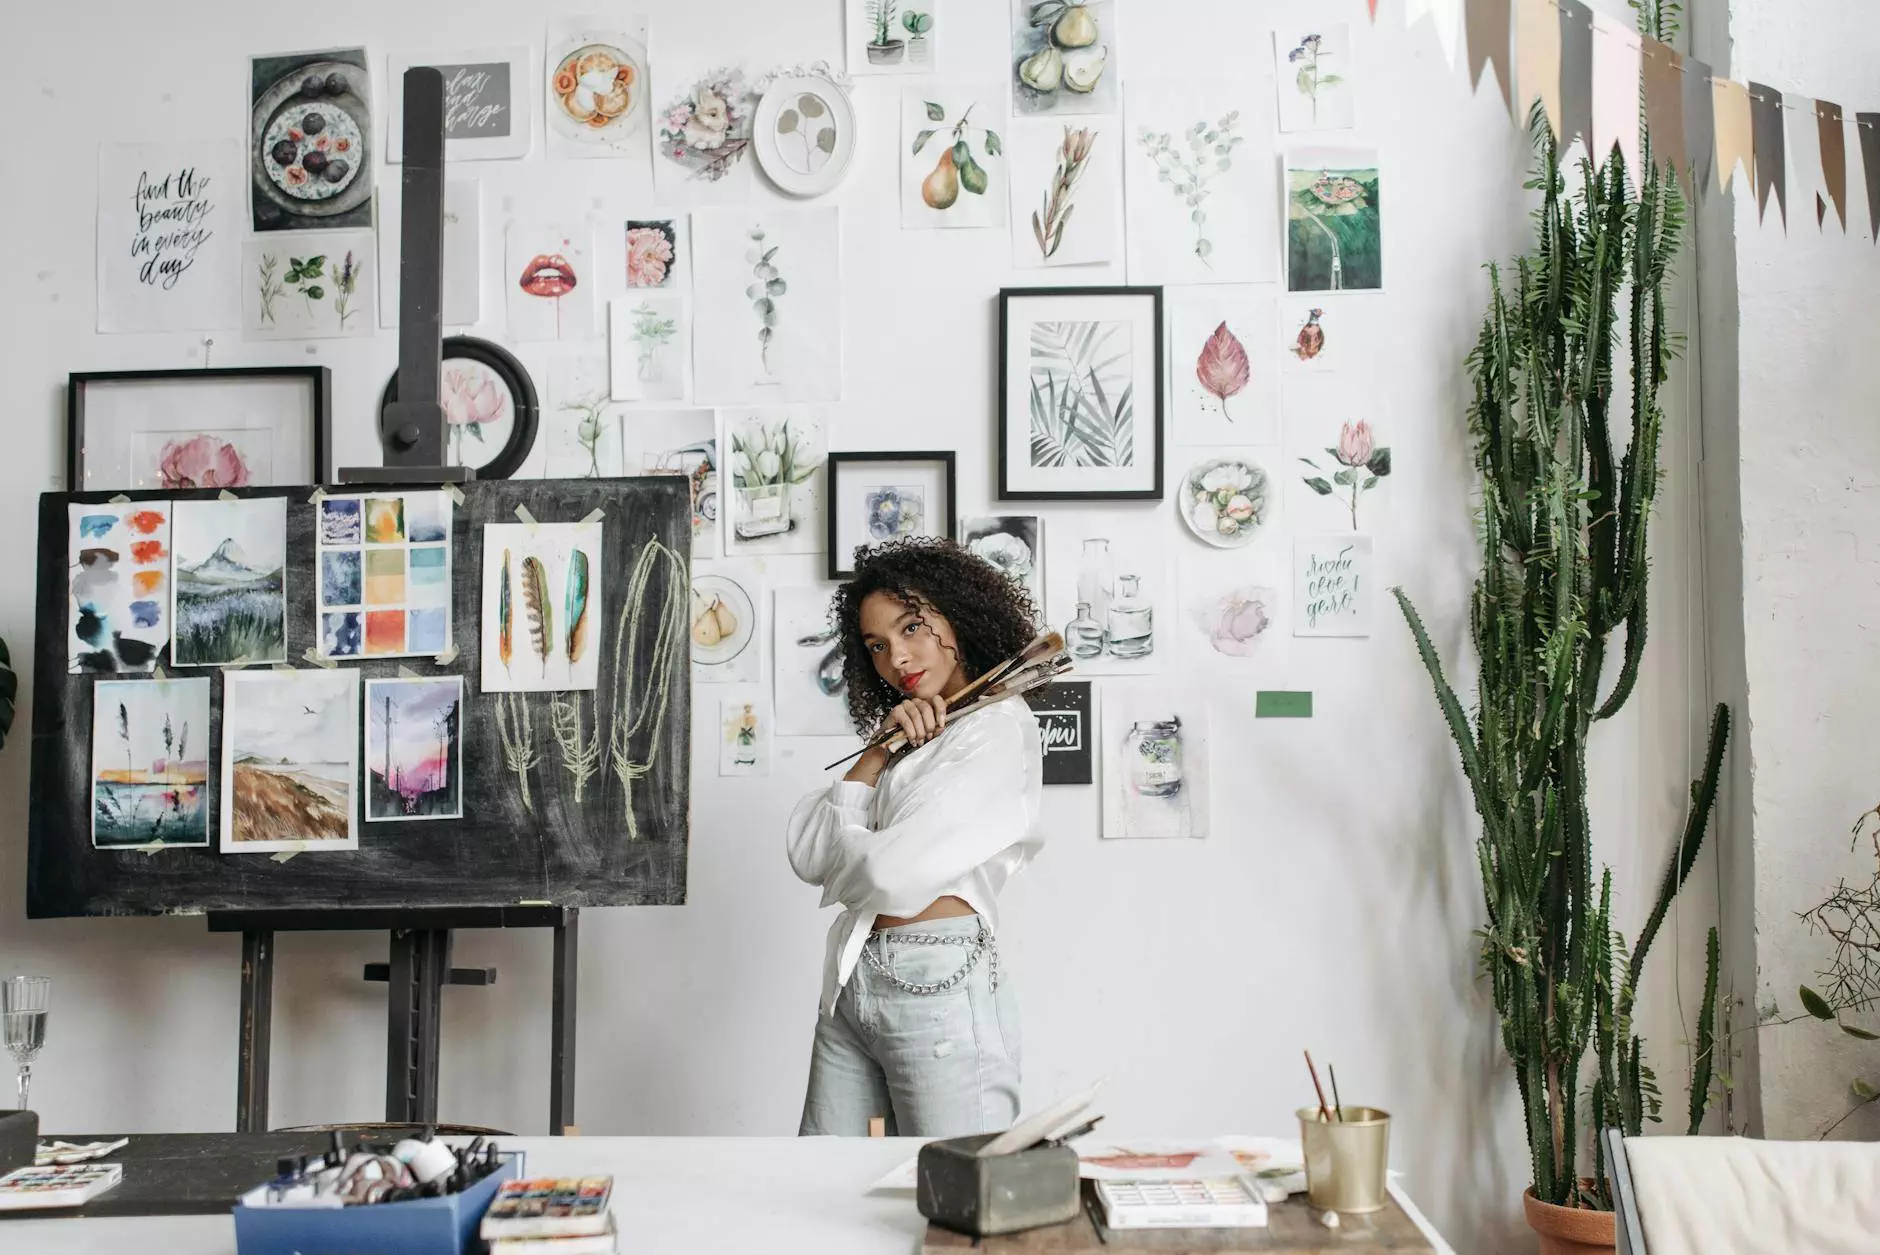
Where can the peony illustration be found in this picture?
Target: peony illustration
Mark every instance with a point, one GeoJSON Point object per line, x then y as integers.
{"type": "Point", "coordinates": [1223, 368]}
{"type": "Point", "coordinates": [1235, 621]}
{"type": "Point", "coordinates": [649, 254]}
{"type": "Point", "coordinates": [1010, 554]}
{"type": "Point", "coordinates": [1225, 501]}
{"type": "Point", "coordinates": [202, 462]}
{"type": "Point", "coordinates": [471, 399]}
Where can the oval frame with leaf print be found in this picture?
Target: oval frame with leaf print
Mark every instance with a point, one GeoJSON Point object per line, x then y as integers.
{"type": "Point", "coordinates": [802, 151]}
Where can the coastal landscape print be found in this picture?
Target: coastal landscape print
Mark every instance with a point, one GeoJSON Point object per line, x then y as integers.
{"type": "Point", "coordinates": [229, 583]}
{"type": "Point", "coordinates": [414, 748]}
{"type": "Point", "coordinates": [290, 742]}
{"type": "Point", "coordinates": [147, 787]}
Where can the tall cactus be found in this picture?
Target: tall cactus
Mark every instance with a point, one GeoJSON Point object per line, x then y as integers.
{"type": "Point", "coordinates": [1564, 565]}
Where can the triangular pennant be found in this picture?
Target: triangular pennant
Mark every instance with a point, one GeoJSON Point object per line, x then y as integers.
{"type": "Point", "coordinates": [1489, 30]}
{"type": "Point", "coordinates": [1700, 133]}
{"type": "Point", "coordinates": [1766, 142]}
{"type": "Point", "coordinates": [1448, 17]}
{"type": "Point", "coordinates": [1615, 94]}
{"type": "Point", "coordinates": [1374, 10]}
{"type": "Point", "coordinates": [1867, 126]}
{"type": "Point", "coordinates": [1833, 139]}
{"type": "Point", "coordinates": [1735, 146]}
{"type": "Point", "coordinates": [1537, 57]}
{"type": "Point", "coordinates": [1576, 71]}
{"type": "Point", "coordinates": [1664, 105]}
{"type": "Point", "coordinates": [1801, 151]}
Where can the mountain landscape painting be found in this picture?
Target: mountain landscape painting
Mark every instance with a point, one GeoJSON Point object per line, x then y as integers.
{"type": "Point", "coordinates": [149, 763]}
{"type": "Point", "coordinates": [290, 743]}
{"type": "Point", "coordinates": [229, 582]}
{"type": "Point", "coordinates": [414, 748]}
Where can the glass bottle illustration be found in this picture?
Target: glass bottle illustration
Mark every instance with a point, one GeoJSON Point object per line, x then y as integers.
{"type": "Point", "coordinates": [1084, 635]}
{"type": "Point", "coordinates": [1130, 625]}
{"type": "Point", "coordinates": [1153, 749]}
{"type": "Point", "coordinates": [1094, 578]}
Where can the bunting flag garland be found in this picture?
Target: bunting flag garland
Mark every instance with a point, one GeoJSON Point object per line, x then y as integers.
{"type": "Point", "coordinates": [1801, 144]}
{"type": "Point", "coordinates": [1537, 55]}
{"type": "Point", "coordinates": [1730, 102]}
{"type": "Point", "coordinates": [1576, 73]}
{"type": "Point", "coordinates": [1700, 134]}
{"type": "Point", "coordinates": [1615, 92]}
{"type": "Point", "coordinates": [1833, 156]}
{"type": "Point", "coordinates": [1664, 104]}
{"type": "Point", "coordinates": [1768, 149]}
{"type": "Point", "coordinates": [1490, 30]}
{"type": "Point", "coordinates": [1867, 126]}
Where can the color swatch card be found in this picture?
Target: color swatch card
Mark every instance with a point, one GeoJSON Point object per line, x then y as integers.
{"type": "Point", "coordinates": [541, 607]}
{"type": "Point", "coordinates": [118, 561]}
{"type": "Point", "coordinates": [385, 575]}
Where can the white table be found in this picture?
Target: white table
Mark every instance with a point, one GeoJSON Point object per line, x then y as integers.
{"type": "Point", "coordinates": [672, 1196]}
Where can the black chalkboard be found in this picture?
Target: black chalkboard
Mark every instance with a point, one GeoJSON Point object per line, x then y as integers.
{"type": "Point", "coordinates": [624, 843]}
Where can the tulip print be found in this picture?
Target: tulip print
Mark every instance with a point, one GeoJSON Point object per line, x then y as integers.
{"type": "Point", "coordinates": [1223, 368]}
{"type": "Point", "coordinates": [1361, 461]}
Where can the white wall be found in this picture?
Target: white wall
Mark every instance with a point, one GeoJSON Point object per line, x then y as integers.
{"type": "Point", "coordinates": [1810, 499]}
{"type": "Point", "coordinates": [1334, 904]}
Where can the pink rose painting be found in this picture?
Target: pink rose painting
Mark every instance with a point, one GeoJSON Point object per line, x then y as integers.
{"type": "Point", "coordinates": [471, 397]}
{"type": "Point", "coordinates": [202, 462]}
{"type": "Point", "coordinates": [651, 251]}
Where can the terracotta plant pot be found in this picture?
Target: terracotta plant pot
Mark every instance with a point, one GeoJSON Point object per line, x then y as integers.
{"type": "Point", "coordinates": [1569, 1230]}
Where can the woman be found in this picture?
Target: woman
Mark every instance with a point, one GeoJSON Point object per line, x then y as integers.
{"type": "Point", "coordinates": [917, 1022]}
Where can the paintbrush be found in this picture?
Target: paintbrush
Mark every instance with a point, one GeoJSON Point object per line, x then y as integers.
{"type": "Point", "coordinates": [1324, 1112]}
{"type": "Point", "coordinates": [1013, 685]}
{"type": "Point", "coordinates": [1045, 649]}
{"type": "Point", "coordinates": [1338, 1108]}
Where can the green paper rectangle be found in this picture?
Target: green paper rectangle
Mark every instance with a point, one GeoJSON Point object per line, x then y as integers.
{"type": "Point", "coordinates": [1282, 705]}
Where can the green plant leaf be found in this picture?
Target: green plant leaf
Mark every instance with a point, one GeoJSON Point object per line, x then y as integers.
{"type": "Point", "coordinates": [316, 292]}
{"type": "Point", "coordinates": [1379, 463]}
{"type": "Point", "coordinates": [811, 106]}
{"type": "Point", "coordinates": [920, 141]}
{"type": "Point", "coordinates": [775, 287]}
{"type": "Point", "coordinates": [1370, 482]}
{"type": "Point", "coordinates": [1329, 80]}
{"type": "Point", "coordinates": [1815, 1004]}
{"type": "Point", "coordinates": [786, 122]}
{"type": "Point", "coordinates": [1861, 1033]}
{"type": "Point", "coordinates": [993, 147]}
{"type": "Point", "coordinates": [826, 139]}
{"type": "Point", "coordinates": [1346, 476]}
{"type": "Point", "coordinates": [1317, 484]}
{"type": "Point", "coordinates": [935, 113]}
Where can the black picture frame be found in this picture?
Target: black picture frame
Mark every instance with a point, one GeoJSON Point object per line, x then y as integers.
{"type": "Point", "coordinates": [319, 420]}
{"type": "Point", "coordinates": [831, 515]}
{"type": "Point", "coordinates": [1154, 491]}
{"type": "Point", "coordinates": [515, 376]}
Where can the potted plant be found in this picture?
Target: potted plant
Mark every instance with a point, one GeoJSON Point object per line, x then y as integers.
{"type": "Point", "coordinates": [917, 24]}
{"type": "Point", "coordinates": [764, 470]}
{"type": "Point", "coordinates": [883, 50]}
{"type": "Point", "coordinates": [1563, 524]}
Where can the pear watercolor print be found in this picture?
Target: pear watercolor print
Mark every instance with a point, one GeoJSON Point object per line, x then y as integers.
{"type": "Point", "coordinates": [541, 607]}
{"type": "Point", "coordinates": [1061, 57]}
{"type": "Point", "coordinates": [1226, 373]}
{"type": "Point", "coordinates": [1334, 223]}
{"type": "Point", "coordinates": [952, 159]}
{"type": "Point", "coordinates": [1200, 188]}
{"type": "Point", "coordinates": [228, 582]}
{"type": "Point", "coordinates": [1314, 73]}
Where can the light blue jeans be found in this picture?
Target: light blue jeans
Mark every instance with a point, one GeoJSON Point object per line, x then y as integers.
{"type": "Point", "coordinates": [925, 1034]}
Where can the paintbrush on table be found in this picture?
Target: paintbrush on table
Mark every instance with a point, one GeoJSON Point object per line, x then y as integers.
{"type": "Point", "coordinates": [1325, 1112]}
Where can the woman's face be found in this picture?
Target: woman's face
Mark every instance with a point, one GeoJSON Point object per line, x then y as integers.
{"type": "Point", "coordinates": [912, 646]}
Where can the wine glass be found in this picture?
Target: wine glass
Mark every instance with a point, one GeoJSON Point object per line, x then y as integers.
{"type": "Point", "coordinates": [23, 1003]}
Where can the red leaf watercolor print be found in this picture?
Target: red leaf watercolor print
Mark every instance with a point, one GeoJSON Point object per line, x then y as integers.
{"type": "Point", "coordinates": [1222, 368]}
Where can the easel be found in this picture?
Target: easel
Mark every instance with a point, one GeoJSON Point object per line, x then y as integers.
{"type": "Point", "coordinates": [412, 432]}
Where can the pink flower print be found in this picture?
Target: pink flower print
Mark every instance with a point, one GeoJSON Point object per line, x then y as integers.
{"type": "Point", "coordinates": [1354, 444]}
{"type": "Point", "coordinates": [471, 396]}
{"type": "Point", "coordinates": [202, 462]}
{"type": "Point", "coordinates": [649, 253]}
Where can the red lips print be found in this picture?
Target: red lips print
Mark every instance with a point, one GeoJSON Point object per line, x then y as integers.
{"type": "Point", "coordinates": [548, 275]}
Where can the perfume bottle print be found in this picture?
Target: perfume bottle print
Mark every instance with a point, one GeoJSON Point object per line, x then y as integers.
{"type": "Point", "coordinates": [1130, 625]}
{"type": "Point", "coordinates": [1094, 578]}
{"type": "Point", "coordinates": [1084, 635]}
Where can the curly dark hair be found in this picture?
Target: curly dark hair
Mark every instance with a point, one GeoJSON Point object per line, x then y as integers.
{"type": "Point", "coordinates": [993, 615]}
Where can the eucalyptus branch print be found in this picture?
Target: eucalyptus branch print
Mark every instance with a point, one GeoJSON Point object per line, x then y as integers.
{"type": "Point", "coordinates": [1083, 410]}
{"type": "Point", "coordinates": [1073, 156]}
{"type": "Point", "coordinates": [269, 287]}
{"type": "Point", "coordinates": [769, 285]}
{"type": "Point", "coordinates": [1190, 163]}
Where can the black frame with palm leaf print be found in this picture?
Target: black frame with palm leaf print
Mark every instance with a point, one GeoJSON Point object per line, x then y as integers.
{"type": "Point", "coordinates": [1152, 491]}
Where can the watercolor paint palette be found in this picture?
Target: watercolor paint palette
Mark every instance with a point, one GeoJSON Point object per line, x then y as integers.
{"type": "Point", "coordinates": [384, 575]}
{"type": "Point", "coordinates": [119, 560]}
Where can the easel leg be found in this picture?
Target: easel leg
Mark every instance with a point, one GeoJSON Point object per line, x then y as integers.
{"type": "Point", "coordinates": [420, 964]}
{"type": "Point", "coordinates": [257, 1015]}
{"type": "Point", "coordinates": [561, 1024]}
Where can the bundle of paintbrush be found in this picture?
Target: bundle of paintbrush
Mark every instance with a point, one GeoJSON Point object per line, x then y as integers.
{"type": "Point", "coordinates": [1034, 666]}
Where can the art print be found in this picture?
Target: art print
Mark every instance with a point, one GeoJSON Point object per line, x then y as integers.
{"type": "Point", "coordinates": [414, 748]}
{"type": "Point", "coordinates": [657, 253]}
{"type": "Point", "coordinates": [550, 281]}
{"type": "Point", "coordinates": [479, 410]}
{"type": "Point", "coordinates": [1332, 585]}
{"type": "Point", "coordinates": [1061, 57]}
{"type": "Point", "coordinates": [1314, 72]}
{"type": "Point", "coordinates": [541, 607]}
{"type": "Point", "coordinates": [169, 237]}
{"type": "Point", "coordinates": [744, 739]}
{"type": "Point", "coordinates": [1067, 192]}
{"type": "Point", "coordinates": [1319, 335]}
{"type": "Point", "coordinates": [1012, 544]}
{"type": "Point", "coordinates": [582, 427]}
{"type": "Point", "coordinates": [147, 786]}
{"type": "Point", "coordinates": [1226, 372]}
{"type": "Point", "coordinates": [1339, 459]}
{"type": "Point", "coordinates": [1229, 500]}
{"type": "Point", "coordinates": [310, 137]}
{"type": "Point", "coordinates": [174, 460]}
{"type": "Point", "coordinates": [702, 138]}
{"type": "Point", "coordinates": [767, 291]}
{"type": "Point", "coordinates": [893, 36]}
{"type": "Point", "coordinates": [598, 96]}
{"type": "Point", "coordinates": [953, 171]}
{"type": "Point", "coordinates": [1066, 731]}
{"type": "Point", "coordinates": [680, 442]}
{"type": "Point", "coordinates": [383, 574]}
{"type": "Point", "coordinates": [118, 565]}
{"type": "Point", "coordinates": [880, 497]}
{"type": "Point", "coordinates": [1200, 188]}
{"type": "Point", "coordinates": [309, 286]}
{"type": "Point", "coordinates": [1232, 614]}
{"type": "Point", "coordinates": [777, 463]}
{"type": "Point", "coordinates": [649, 351]}
{"type": "Point", "coordinates": [228, 581]}
{"type": "Point", "coordinates": [725, 648]}
{"type": "Point", "coordinates": [234, 427]}
{"type": "Point", "coordinates": [1334, 223]}
{"type": "Point", "coordinates": [1155, 762]}
{"type": "Point", "coordinates": [463, 253]}
{"type": "Point", "coordinates": [811, 690]}
{"type": "Point", "coordinates": [1111, 594]}
{"type": "Point", "coordinates": [290, 746]}
{"type": "Point", "coordinates": [486, 104]}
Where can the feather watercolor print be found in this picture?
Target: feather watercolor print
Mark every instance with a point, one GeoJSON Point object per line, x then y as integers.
{"type": "Point", "coordinates": [528, 571]}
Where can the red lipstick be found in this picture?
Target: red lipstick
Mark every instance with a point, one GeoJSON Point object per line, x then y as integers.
{"type": "Point", "coordinates": [911, 682]}
{"type": "Point", "coordinates": [548, 275]}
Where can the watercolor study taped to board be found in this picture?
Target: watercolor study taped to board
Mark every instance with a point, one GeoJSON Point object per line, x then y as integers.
{"type": "Point", "coordinates": [290, 742]}
{"type": "Point", "coordinates": [414, 748]}
{"type": "Point", "coordinates": [541, 607]}
{"type": "Point", "coordinates": [229, 582]}
{"type": "Point", "coordinates": [146, 787]}
{"type": "Point", "coordinates": [118, 561]}
{"type": "Point", "coordinates": [384, 575]}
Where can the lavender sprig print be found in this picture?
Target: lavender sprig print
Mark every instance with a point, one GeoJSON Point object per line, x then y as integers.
{"type": "Point", "coordinates": [1203, 152]}
{"type": "Point", "coordinates": [345, 283]}
{"type": "Point", "coordinates": [764, 292]}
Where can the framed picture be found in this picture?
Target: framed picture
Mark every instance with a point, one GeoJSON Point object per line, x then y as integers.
{"type": "Point", "coordinates": [880, 496]}
{"type": "Point", "coordinates": [225, 427]}
{"type": "Point", "coordinates": [1080, 394]}
{"type": "Point", "coordinates": [490, 409]}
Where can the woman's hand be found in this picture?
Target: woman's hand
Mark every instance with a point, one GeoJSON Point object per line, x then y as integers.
{"type": "Point", "coordinates": [919, 719]}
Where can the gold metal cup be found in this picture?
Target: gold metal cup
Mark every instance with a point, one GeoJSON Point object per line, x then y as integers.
{"type": "Point", "coordinates": [1346, 1160]}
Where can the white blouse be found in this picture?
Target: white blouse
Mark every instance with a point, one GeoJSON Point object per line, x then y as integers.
{"type": "Point", "coordinates": [958, 816]}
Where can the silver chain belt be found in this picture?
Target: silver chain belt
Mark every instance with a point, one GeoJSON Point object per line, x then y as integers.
{"type": "Point", "coordinates": [981, 944]}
